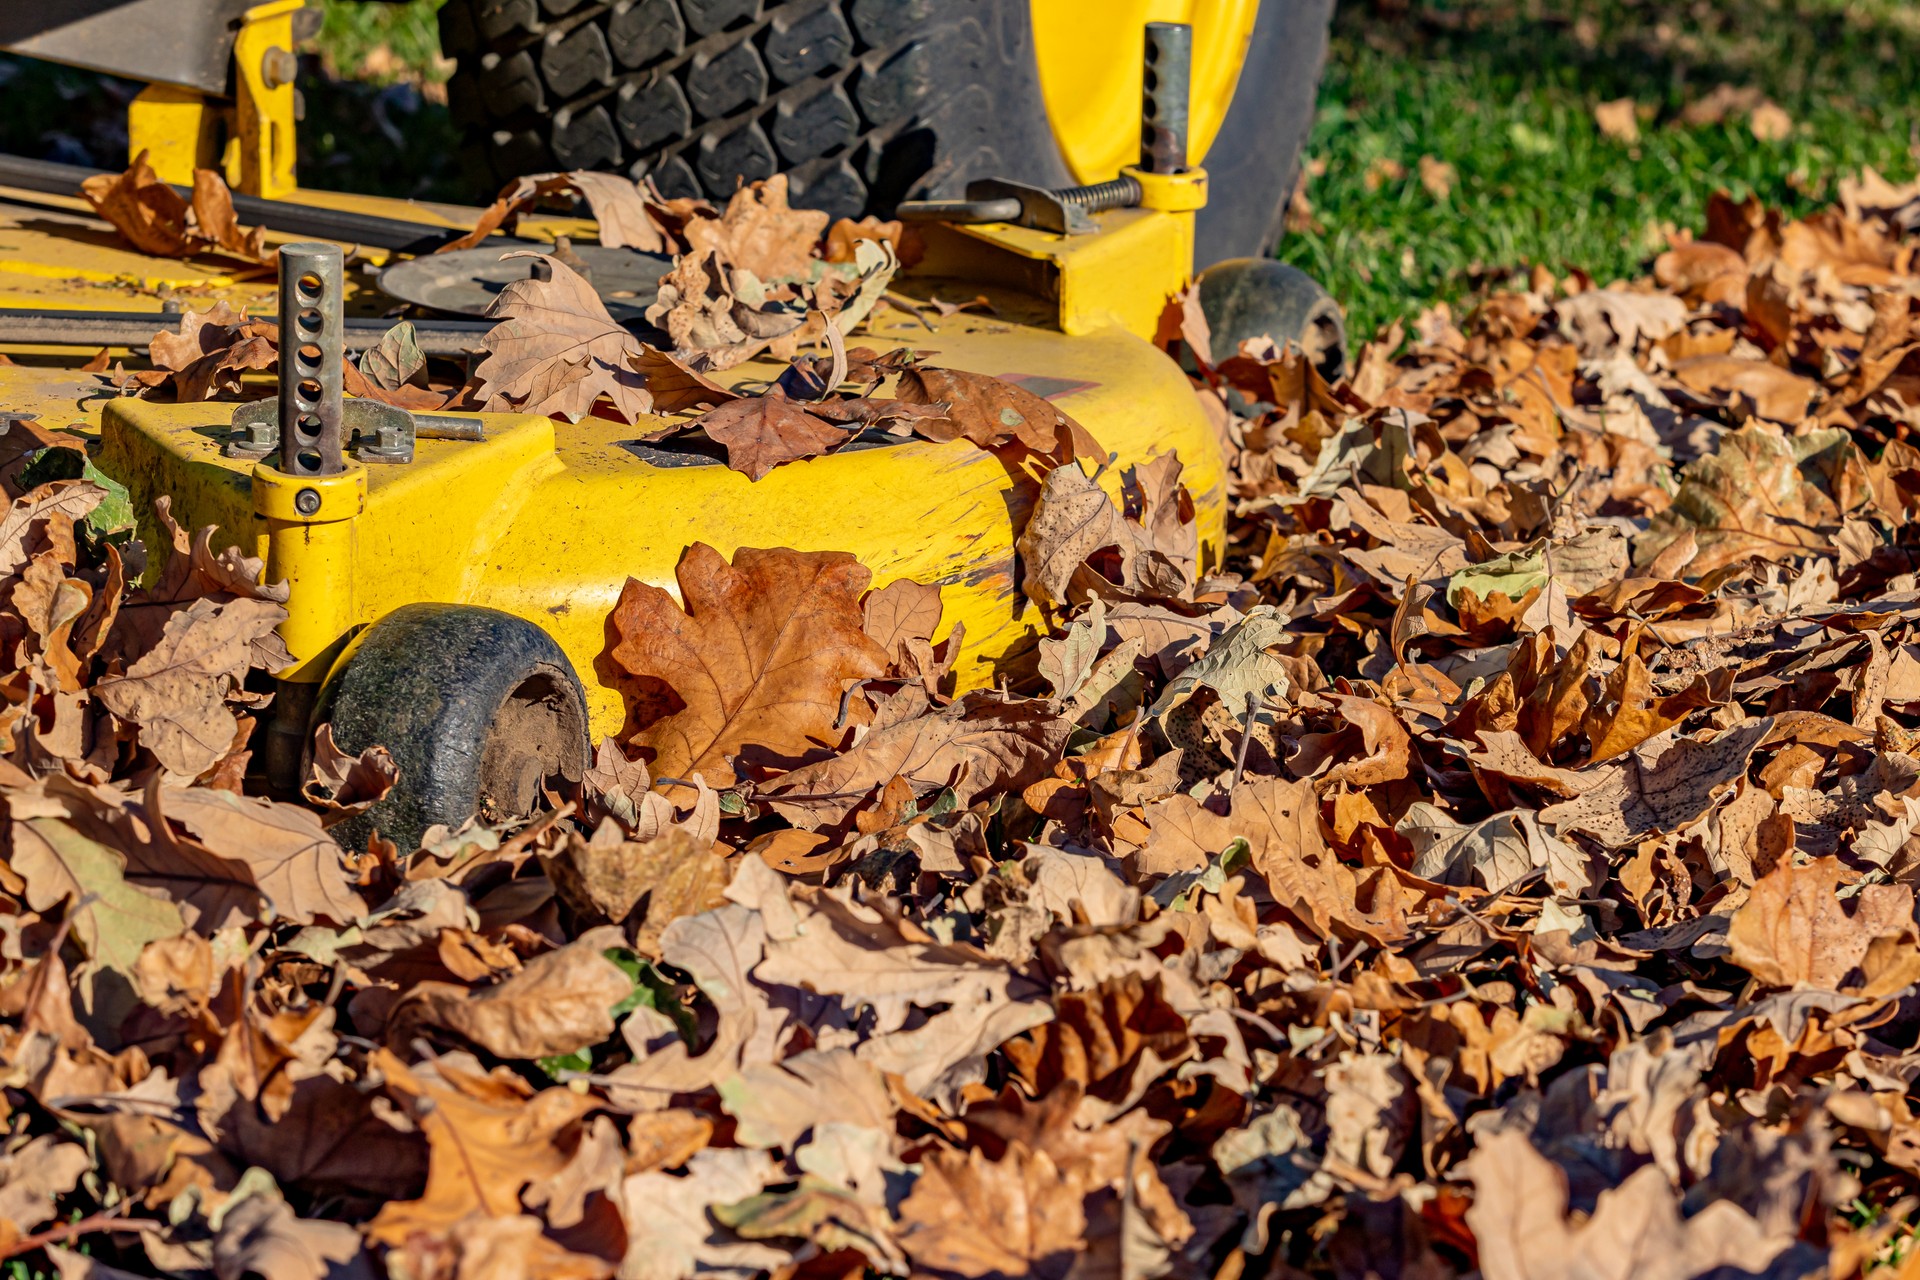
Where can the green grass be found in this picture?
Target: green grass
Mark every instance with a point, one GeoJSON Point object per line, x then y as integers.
{"type": "Point", "coordinates": [1504, 91]}
{"type": "Point", "coordinates": [376, 117]}
{"type": "Point", "coordinates": [352, 34]}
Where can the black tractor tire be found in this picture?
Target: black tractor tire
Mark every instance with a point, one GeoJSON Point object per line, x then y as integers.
{"type": "Point", "coordinates": [481, 710]}
{"type": "Point", "coordinates": [862, 103]}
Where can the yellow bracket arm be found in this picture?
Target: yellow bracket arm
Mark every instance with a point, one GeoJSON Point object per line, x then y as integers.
{"type": "Point", "coordinates": [181, 130]}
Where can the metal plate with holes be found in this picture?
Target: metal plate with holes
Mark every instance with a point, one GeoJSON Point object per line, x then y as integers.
{"type": "Point", "coordinates": [466, 281]}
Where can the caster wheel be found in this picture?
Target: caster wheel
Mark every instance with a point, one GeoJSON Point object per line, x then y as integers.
{"type": "Point", "coordinates": [1247, 297]}
{"type": "Point", "coordinates": [480, 709]}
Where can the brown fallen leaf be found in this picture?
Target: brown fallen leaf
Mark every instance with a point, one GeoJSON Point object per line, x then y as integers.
{"type": "Point", "coordinates": [899, 613]}
{"type": "Point", "coordinates": [158, 221]}
{"type": "Point", "coordinates": [646, 884]}
{"type": "Point", "coordinates": [761, 432]}
{"type": "Point", "coordinates": [992, 412]}
{"type": "Point", "coordinates": [1793, 931]}
{"type": "Point", "coordinates": [759, 657]}
{"type": "Point", "coordinates": [556, 1003]}
{"type": "Point", "coordinates": [208, 354]}
{"type": "Point", "coordinates": [176, 694]}
{"type": "Point", "coordinates": [555, 350]}
{"type": "Point", "coordinates": [1618, 119]}
{"type": "Point", "coordinates": [980, 743]}
{"type": "Point", "coordinates": [488, 1135]}
{"type": "Point", "coordinates": [1021, 1215]}
{"type": "Point", "coordinates": [760, 232]}
{"type": "Point", "coordinates": [1521, 1224]}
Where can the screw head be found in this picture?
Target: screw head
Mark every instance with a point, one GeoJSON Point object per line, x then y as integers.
{"type": "Point", "coordinates": [307, 501]}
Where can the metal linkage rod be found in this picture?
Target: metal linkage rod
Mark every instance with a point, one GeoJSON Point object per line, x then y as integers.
{"type": "Point", "coordinates": [311, 352]}
{"type": "Point", "coordinates": [1166, 89]}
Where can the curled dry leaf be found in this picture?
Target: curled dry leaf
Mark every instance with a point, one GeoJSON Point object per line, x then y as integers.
{"type": "Point", "coordinates": [158, 221]}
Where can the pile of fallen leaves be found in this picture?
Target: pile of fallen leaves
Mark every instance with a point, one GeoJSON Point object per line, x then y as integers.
{"type": "Point", "coordinates": [757, 279]}
{"type": "Point", "coordinates": [1504, 864]}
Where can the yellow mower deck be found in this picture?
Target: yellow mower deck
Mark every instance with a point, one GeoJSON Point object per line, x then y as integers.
{"type": "Point", "coordinates": [546, 519]}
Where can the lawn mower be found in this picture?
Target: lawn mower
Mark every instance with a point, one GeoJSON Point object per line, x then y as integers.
{"type": "Point", "coordinates": [451, 573]}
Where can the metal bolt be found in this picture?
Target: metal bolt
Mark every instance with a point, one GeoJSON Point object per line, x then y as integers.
{"type": "Point", "coordinates": [278, 67]}
{"type": "Point", "coordinates": [307, 501]}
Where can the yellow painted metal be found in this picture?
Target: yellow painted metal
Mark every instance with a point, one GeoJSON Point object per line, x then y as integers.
{"type": "Point", "coordinates": [546, 520]}
{"type": "Point", "coordinates": [316, 554]}
{"type": "Point", "coordinates": [1090, 73]}
{"type": "Point", "coordinates": [1172, 192]}
{"type": "Point", "coordinates": [264, 104]}
{"type": "Point", "coordinates": [179, 128]}
{"type": "Point", "coordinates": [51, 257]}
{"type": "Point", "coordinates": [1122, 276]}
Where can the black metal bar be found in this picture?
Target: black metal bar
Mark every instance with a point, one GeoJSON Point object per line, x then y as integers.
{"type": "Point", "coordinates": [93, 329]}
{"type": "Point", "coordinates": [53, 178]}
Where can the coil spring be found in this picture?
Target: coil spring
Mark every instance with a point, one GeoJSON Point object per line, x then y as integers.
{"type": "Point", "coordinates": [1116, 193]}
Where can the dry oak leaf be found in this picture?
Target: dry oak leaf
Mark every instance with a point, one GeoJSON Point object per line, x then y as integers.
{"type": "Point", "coordinates": [855, 951]}
{"type": "Point", "coordinates": [36, 1175]}
{"type": "Point", "coordinates": [1071, 521]}
{"type": "Point", "coordinates": [1776, 394]}
{"type": "Point", "coordinates": [1520, 1220]}
{"type": "Point", "coordinates": [1021, 1215]}
{"type": "Point", "coordinates": [24, 524]}
{"type": "Point", "coordinates": [113, 920]}
{"type": "Point", "coordinates": [260, 1235]}
{"type": "Point", "coordinates": [1660, 785]}
{"type": "Point", "coordinates": [991, 412]}
{"type": "Point", "coordinates": [340, 785]}
{"type": "Point", "coordinates": [759, 657]}
{"type": "Point", "coordinates": [774, 1103]}
{"type": "Point", "coordinates": [718, 949]}
{"type": "Point", "coordinates": [662, 878]}
{"type": "Point", "coordinates": [488, 1135]}
{"type": "Point", "coordinates": [1280, 821]}
{"type": "Point", "coordinates": [760, 232]}
{"type": "Point", "coordinates": [979, 744]}
{"type": "Point", "coordinates": [1754, 495]}
{"type": "Point", "coordinates": [901, 612]}
{"type": "Point", "coordinates": [761, 432]}
{"type": "Point", "coordinates": [177, 692]}
{"type": "Point", "coordinates": [556, 1003]}
{"type": "Point", "coordinates": [159, 222]}
{"type": "Point", "coordinates": [555, 350]}
{"type": "Point", "coordinates": [207, 354]}
{"type": "Point", "coordinates": [1794, 931]}
{"type": "Point", "coordinates": [670, 1234]}
{"type": "Point", "coordinates": [298, 868]}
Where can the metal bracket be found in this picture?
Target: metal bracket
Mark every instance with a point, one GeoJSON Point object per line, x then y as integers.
{"type": "Point", "coordinates": [379, 432]}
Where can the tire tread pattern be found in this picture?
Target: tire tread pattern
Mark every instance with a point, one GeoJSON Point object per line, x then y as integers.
{"type": "Point", "coordinates": [861, 102]}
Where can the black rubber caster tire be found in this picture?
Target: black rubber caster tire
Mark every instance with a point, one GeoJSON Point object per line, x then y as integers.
{"type": "Point", "coordinates": [1247, 297]}
{"type": "Point", "coordinates": [862, 103]}
{"type": "Point", "coordinates": [479, 708]}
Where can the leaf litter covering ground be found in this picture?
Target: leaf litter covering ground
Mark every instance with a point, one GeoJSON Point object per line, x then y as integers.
{"type": "Point", "coordinates": [1504, 863]}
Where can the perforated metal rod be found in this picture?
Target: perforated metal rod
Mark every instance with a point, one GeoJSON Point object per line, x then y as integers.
{"type": "Point", "coordinates": [1163, 108]}
{"type": "Point", "coordinates": [312, 342]}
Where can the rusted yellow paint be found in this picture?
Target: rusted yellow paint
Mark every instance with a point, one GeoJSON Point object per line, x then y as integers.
{"type": "Point", "coordinates": [547, 520]}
